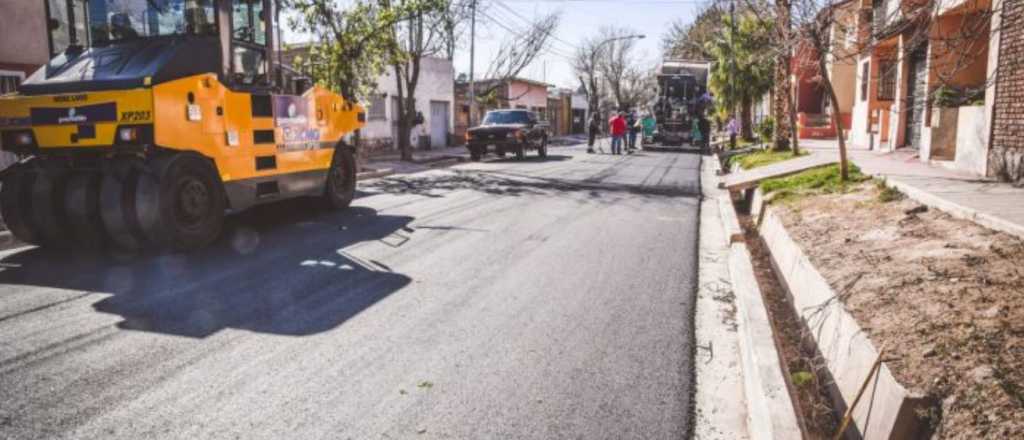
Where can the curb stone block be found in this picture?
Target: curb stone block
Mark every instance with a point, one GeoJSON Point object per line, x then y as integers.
{"type": "Point", "coordinates": [771, 414]}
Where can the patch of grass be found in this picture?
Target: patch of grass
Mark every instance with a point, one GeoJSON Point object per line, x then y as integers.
{"type": "Point", "coordinates": [766, 157]}
{"type": "Point", "coordinates": [887, 193]}
{"type": "Point", "coordinates": [800, 378]}
{"type": "Point", "coordinates": [823, 180]}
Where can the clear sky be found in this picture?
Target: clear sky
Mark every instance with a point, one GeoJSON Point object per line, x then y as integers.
{"type": "Point", "coordinates": [580, 18]}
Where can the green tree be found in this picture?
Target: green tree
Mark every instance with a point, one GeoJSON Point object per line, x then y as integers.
{"type": "Point", "coordinates": [353, 43]}
{"type": "Point", "coordinates": [743, 66]}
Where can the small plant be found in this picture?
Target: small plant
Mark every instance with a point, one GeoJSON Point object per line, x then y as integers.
{"type": "Point", "coordinates": [887, 193]}
{"type": "Point", "coordinates": [766, 129]}
{"type": "Point", "coordinates": [801, 378]}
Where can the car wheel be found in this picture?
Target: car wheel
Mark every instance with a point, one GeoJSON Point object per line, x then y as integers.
{"type": "Point", "coordinates": [520, 153]}
{"type": "Point", "coordinates": [475, 154]}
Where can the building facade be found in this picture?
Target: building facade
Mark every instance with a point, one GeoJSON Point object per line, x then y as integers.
{"type": "Point", "coordinates": [435, 101]}
{"type": "Point", "coordinates": [23, 46]}
{"type": "Point", "coordinates": [924, 79]}
{"type": "Point", "coordinates": [1006, 155]}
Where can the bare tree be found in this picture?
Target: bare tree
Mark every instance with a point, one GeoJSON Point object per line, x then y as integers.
{"type": "Point", "coordinates": [617, 60]}
{"type": "Point", "coordinates": [517, 52]}
{"type": "Point", "coordinates": [584, 63]}
{"type": "Point", "coordinates": [639, 86]}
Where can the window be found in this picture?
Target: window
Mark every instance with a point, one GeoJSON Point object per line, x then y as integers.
{"type": "Point", "coordinates": [887, 80]}
{"type": "Point", "coordinates": [249, 38]}
{"type": "Point", "coordinates": [247, 22]}
{"type": "Point", "coordinates": [377, 110]}
{"type": "Point", "coordinates": [116, 20]}
{"type": "Point", "coordinates": [506, 117]}
{"type": "Point", "coordinates": [9, 81]}
{"type": "Point", "coordinates": [865, 75]}
{"type": "Point", "coordinates": [61, 34]}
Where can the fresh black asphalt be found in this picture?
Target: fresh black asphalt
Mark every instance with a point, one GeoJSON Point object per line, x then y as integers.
{"type": "Point", "coordinates": [504, 299]}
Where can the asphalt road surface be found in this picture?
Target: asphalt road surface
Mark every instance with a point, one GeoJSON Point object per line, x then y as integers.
{"type": "Point", "coordinates": [503, 299]}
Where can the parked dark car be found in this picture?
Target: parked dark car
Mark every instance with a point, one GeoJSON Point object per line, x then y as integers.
{"type": "Point", "coordinates": [511, 130]}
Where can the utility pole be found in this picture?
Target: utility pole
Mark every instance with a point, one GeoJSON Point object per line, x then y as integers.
{"type": "Point", "coordinates": [472, 62]}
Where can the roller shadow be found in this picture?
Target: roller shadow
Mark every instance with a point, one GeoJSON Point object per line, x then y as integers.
{"type": "Point", "coordinates": [279, 269]}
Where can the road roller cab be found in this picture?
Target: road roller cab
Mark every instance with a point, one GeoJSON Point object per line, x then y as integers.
{"type": "Point", "coordinates": [154, 117]}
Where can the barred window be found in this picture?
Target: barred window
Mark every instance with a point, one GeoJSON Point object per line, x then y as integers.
{"type": "Point", "coordinates": [886, 80]}
{"type": "Point", "coordinates": [865, 75]}
{"type": "Point", "coordinates": [377, 110]}
{"type": "Point", "coordinates": [9, 81]}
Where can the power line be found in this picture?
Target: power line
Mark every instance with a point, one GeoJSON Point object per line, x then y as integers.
{"type": "Point", "coordinates": [519, 34]}
{"type": "Point", "coordinates": [527, 21]}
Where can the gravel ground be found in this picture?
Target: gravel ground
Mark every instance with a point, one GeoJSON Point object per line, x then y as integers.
{"type": "Point", "coordinates": [945, 297]}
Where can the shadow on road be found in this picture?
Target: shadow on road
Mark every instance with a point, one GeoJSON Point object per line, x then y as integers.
{"type": "Point", "coordinates": [531, 158]}
{"type": "Point", "coordinates": [279, 269]}
{"type": "Point", "coordinates": [509, 184]}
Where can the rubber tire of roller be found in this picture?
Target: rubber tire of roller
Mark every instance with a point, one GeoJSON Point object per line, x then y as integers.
{"type": "Point", "coordinates": [16, 204]}
{"type": "Point", "coordinates": [343, 163]}
{"type": "Point", "coordinates": [156, 203]}
{"type": "Point", "coordinates": [82, 205]}
{"type": "Point", "coordinates": [117, 209]}
{"type": "Point", "coordinates": [48, 209]}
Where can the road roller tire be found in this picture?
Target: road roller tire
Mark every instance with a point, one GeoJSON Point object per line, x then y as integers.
{"type": "Point", "coordinates": [16, 204]}
{"type": "Point", "coordinates": [340, 187]}
{"type": "Point", "coordinates": [180, 203]}
{"type": "Point", "coordinates": [117, 190]}
{"type": "Point", "coordinates": [82, 206]}
{"type": "Point", "coordinates": [48, 208]}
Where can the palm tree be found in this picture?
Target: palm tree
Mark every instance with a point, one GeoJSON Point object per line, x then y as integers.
{"type": "Point", "coordinates": [743, 69]}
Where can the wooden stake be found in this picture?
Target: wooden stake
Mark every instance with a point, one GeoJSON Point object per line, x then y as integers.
{"type": "Point", "coordinates": [864, 386]}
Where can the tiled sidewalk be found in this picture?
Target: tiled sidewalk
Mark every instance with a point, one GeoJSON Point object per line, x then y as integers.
{"type": "Point", "coordinates": [994, 204]}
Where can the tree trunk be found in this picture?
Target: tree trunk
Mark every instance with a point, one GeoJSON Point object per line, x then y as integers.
{"type": "Point", "coordinates": [781, 108]}
{"type": "Point", "coordinates": [844, 173]}
{"type": "Point", "coordinates": [746, 120]}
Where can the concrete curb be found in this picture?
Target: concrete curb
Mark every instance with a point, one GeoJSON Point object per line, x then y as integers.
{"type": "Point", "coordinates": [887, 410]}
{"type": "Point", "coordinates": [441, 163]}
{"type": "Point", "coordinates": [383, 172]}
{"type": "Point", "coordinates": [954, 209]}
{"type": "Point", "coordinates": [730, 222]}
{"type": "Point", "coordinates": [770, 410]}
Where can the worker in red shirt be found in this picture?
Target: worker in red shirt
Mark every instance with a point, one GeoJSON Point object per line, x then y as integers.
{"type": "Point", "coordinates": [617, 127]}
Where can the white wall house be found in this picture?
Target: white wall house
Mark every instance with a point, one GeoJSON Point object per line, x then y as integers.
{"type": "Point", "coordinates": [435, 94]}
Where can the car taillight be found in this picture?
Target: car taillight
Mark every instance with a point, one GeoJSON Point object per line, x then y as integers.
{"type": "Point", "coordinates": [520, 134]}
{"type": "Point", "coordinates": [469, 136]}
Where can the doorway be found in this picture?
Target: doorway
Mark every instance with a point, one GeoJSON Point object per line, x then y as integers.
{"type": "Point", "coordinates": [439, 124]}
{"type": "Point", "coordinates": [917, 96]}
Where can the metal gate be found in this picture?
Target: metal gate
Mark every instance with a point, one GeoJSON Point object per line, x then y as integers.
{"type": "Point", "coordinates": [438, 124]}
{"type": "Point", "coordinates": [917, 95]}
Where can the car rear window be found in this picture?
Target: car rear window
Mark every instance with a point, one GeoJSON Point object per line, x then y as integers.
{"type": "Point", "coordinates": [509, 117]}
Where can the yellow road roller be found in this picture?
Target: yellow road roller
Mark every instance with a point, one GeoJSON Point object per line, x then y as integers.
{"type": "Point", "coordinates": [154, 119]}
